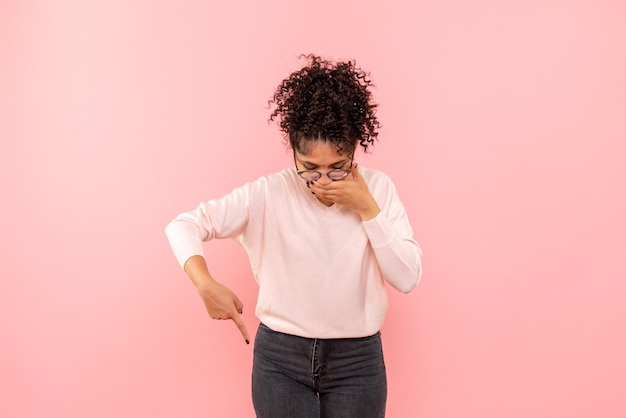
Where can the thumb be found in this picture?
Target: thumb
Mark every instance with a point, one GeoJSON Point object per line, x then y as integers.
{"type": "Point", "coordinates": [238, 304]}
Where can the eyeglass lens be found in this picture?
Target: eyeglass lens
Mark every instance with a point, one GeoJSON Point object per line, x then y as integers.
{"type": "Point", "coordinates": [313, 175]}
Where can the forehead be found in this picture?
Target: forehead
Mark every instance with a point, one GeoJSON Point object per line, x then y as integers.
{"type": "Point", "coordinates": [321, 152]}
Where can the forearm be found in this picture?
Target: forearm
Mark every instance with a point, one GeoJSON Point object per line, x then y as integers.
{"type": "Point", "coordinates": [401, 264]}
{"type": "Point", "coordinates": [198, 271]}
{"type": "Point", "coordinates": [398, 254]}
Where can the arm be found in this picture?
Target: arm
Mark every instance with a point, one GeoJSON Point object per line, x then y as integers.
{"type": "Point", "coordinates": [391, 237]}
{"type": "Point", "coordinates": [398, 254]}
{"type": "Point", "coordinates": [388, 229]}
{"type": "Point", "coordinates": [220, 218]}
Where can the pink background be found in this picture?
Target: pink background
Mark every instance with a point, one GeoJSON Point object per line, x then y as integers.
{"type": "Point", "coordinates": [504, 129]}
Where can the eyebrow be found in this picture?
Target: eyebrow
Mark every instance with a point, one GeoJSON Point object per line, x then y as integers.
{"type": "Point", "coordinates": [317, 165]}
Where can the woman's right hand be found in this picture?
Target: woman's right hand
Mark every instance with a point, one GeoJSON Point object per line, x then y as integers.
{"type": "Point", "coordinates": [222, 303]}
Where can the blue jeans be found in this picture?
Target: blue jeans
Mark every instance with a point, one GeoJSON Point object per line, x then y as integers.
{"type": "Point", "coordinates": [296, 377]}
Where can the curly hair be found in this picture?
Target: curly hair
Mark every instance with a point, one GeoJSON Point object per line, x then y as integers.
{"type": "Point", "coordinates": [329, 102]}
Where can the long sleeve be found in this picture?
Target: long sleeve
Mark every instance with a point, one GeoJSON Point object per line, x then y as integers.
{"type": "Point", "coordinates": [390, 234]}
{"type": "Point", "coordinates": [219, 218]}
{"type": "Point", "coordinates": [321, 270]}
{"type": "Point", "coordinates": [398, 255]}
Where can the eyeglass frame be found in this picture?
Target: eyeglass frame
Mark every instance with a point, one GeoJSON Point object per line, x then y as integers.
{"type": "Point", "coordinates": [320, 174]}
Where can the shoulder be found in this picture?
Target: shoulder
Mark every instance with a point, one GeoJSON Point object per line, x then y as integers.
{"type": "Point", "coordinates": [381, 187]}
{"type": "Point", "coordinates": [274, 182]}
{"type": "Point", "coordinates": [286, 177]}
{"type": "Point", "coordinates": [375, 178]}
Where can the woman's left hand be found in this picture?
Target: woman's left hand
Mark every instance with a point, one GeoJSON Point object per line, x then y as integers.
{"type": "Point", "coordinates": [351, 192]}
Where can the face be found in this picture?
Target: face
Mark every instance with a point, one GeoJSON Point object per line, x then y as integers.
{"type": "Point", "coordinates": [323, 157]}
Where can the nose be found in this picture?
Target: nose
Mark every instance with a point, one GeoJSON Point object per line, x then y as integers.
{"type": "Point", "coordinates": [324, 180]}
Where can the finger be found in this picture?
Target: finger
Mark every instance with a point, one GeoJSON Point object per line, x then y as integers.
{"type": "Point", "coordinates": [319, 187]}
{"type": "Point", "coordinates": [355, 172]}
{"type": "Point", "coordinates": [238, 305]}
{"type": "Point", "coordinates": [242, 328]}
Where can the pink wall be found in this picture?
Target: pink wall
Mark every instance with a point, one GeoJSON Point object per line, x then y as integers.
{"type": "Point", "coordinates": [504, 129]}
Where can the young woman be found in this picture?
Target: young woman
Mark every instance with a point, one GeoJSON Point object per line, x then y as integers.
{"type": "Point", "coordinates": [323, 238]}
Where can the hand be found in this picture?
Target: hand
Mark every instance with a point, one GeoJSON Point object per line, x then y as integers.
{"type": "Point", "coordinates": [222, 303]}
{"type": "Point", "coordinates": [351, 192]}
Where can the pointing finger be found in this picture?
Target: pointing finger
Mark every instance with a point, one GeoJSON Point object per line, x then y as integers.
{"type": "Point", "coordinates": [242, 327]}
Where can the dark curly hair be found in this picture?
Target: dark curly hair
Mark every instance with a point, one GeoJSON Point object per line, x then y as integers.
{"type": "Point", "coordinates": [326, 101]}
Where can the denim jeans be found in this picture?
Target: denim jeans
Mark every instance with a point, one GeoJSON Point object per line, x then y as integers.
{"type": "Point", "coordinates": [296, 377]}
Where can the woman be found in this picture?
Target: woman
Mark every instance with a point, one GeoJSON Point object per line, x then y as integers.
{"type": "Point", "coordinates": [322, 237]}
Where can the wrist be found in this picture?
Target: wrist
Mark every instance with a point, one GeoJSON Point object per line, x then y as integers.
{"type": "Point", "coordinates": [370, 211]}
{"type": "Point", "coordinates": [370, 214]}
{"type": "Point", "coordinates": [206, 285]}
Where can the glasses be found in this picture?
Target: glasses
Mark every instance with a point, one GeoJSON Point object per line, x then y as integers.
{"type": "Point", "coordinates": [335, 174]}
